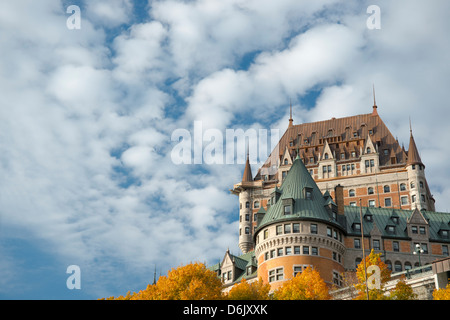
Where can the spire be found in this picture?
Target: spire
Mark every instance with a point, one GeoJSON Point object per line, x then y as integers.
{"type": "Point", "coordinates": [291, 121]}
{"type": "Point", "coordinates": [413, 153]}
{"type": "Point", "coordinates": [247, 177]}
{"type": "Point", "coordinates": [374, 112]}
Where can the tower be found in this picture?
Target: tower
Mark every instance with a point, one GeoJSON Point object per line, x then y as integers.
{"type": "Point", "coordinates": [419, 191]}
{"type": "Point", "coordinates": [302, 227]}
{"type": "Point", "coordinates": [245, 209]}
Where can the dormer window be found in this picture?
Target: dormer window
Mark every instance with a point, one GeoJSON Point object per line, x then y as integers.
{"type": "Point", "coordinates": [287, 209]}
{"type": "Point", "coordinates": [308, 193]}
{"type": "Point", "coordinates": [390, 229]}
{"type": "Point", "coordinates": [357, 227]}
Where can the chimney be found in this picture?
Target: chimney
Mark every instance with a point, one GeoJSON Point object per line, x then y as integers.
{"type": "Point", "coordinates": [339, 195]}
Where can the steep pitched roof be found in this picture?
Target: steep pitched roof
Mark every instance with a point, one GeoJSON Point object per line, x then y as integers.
{"type": "Point", "coordinates": [312, 206]}
{"type": "Point", "coordinates": [307, 137]}
{"type": "Point", "coordinates": [413, 153]}
{"type": "Point", "coordinates": [247, 176]}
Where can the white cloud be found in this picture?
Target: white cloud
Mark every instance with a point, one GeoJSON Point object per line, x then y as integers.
{"type": "Point", "coordinates": [86, 124]}
{"type": "Point", "coordinates": [110, 13]}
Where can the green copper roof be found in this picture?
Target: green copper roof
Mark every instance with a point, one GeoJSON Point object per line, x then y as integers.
{"type": "Point", "coordinates": [297, 181]}
{"type": "Point", "coordinates": [384, 217]}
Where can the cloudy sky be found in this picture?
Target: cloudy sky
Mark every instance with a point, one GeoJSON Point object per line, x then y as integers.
{"type": "Point", "coordinates": [87, 118]}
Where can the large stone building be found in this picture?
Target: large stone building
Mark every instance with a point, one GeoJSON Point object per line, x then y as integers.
{"type": "Point", "coordinates": [304, 206]}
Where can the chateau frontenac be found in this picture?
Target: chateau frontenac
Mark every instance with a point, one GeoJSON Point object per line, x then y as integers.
{"type": "Point", "coordinates": [324, 184]}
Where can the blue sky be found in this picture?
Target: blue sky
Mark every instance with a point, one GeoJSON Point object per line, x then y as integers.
{"type": "Point", "coordinates": [87, 116]}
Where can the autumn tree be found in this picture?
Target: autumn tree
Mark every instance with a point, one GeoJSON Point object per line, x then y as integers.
{"type": "Point", "coordinates": [256, 290]}
{"type": "Point", "coordinates": [402, 291]}
{"type": "Point", "coordinates": [385, 274]}
{"type": "Point", "coordinates": [442, 294]}
{"type": "Point", "coordinates": [191, 282]}
{"type": "Point", "coordinates": [307, 285]}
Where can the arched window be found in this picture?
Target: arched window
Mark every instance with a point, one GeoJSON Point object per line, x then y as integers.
{"type": "Point", "coordinates": [256, 204]}
{"type": "Point", "coordinates": [370, 190]}
{"type": "Point", "coordinates": [285, 161]}
{"type": "Point", "coordinates": [351, 193]}
{"type": "Point", "coordinates": [386, 189]}
{"type": "Point", "coordinates": [368, 150]}
{"type": "Point", "coordinates": [402, 187]}
{"type": "Point", "coordinates": [408, 266]}
{"type": "Point", "coordinates": [412, 185]}
{"type": "Point", "coordinates": [397, 266]}
{"type": "Point", "coordinates": [247, 204]}
{"type": "Point", "coordinates": [325, 156]}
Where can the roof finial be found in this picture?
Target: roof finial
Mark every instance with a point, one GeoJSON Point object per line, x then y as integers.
{"type": "Point", "coordinates": [290, 114]}
{"type": "Point", "coordinates": [410, 127]}
{"type": "Point", "coordinates": [374, 112]}
{"type": "Point", "coordinates": [374, 101]}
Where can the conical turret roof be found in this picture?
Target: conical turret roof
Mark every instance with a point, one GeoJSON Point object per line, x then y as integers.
{"type": "Point", "coordinates": [413, 153]}
{"type": "Point", "coordinates": [307, 200]}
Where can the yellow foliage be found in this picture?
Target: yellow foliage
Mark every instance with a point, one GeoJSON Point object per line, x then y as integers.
{"type": "Point", "coordinates": [307, 285]}
{"type": "Point", "coordinates": [374, 294]}
{"type": "Point", "coordinates": [191, 282]}
{"type": "Point", "coordinates": [442, 294]}
{"type": "Point", "coordinates": [402, 291]}
{"type": "Point", "coordinates": [250, 291]}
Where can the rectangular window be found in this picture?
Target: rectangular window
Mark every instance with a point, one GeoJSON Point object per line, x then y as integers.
{"type": "Point", "coordinates": [272, 254]}
{"type": "Point", "coordinates": [280, 252]}
{"type": "Point", "coordinates": [445, 250]}
{"type": "Point", "coordinates": [396, 246]}
{"type": "Point", "coordinates": [422, 230]}
{"type": "Point", "coordinates": [335, 234]}
{"type": "Point", "coordinates": [297, 269]}
{"type": "Point", "coordinates": [279, 229]}
{"type": "Point", "coordinates": [313, 228]}
{"type": "Point", "coordinates": [387, 202]}
{"type": "Point", "coordinates": [372, 203]}
{"type": "Point", "coordinates": [287, 209]}
{"type": "Point", "coordinates": [295, 227]}
{"type": "Point", "coordinates": [314, 251]}
{"type": "Point", "coordinates": [279, 274]}
{"type": "Point", "coordinates": [357, 243]}
{"type": "Point", "coordinates": [404, 200]}
{"type": "Point", "coordinates": [305, 250]}
{"type": "Point", "coordinates": [266, 234]}
{"type": "Point", "coordinates": [414, 229]}
{"type": "Point", "coordinates": [329, 232]}
{"type": "Point", "coordinates": [288, 251]}
{"type": "Point", "coordinates": [376, 244]}
{"type": "Point", "coordinates": [287, 228]}
{"type": "Point", "coordinates": [297, 250]}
